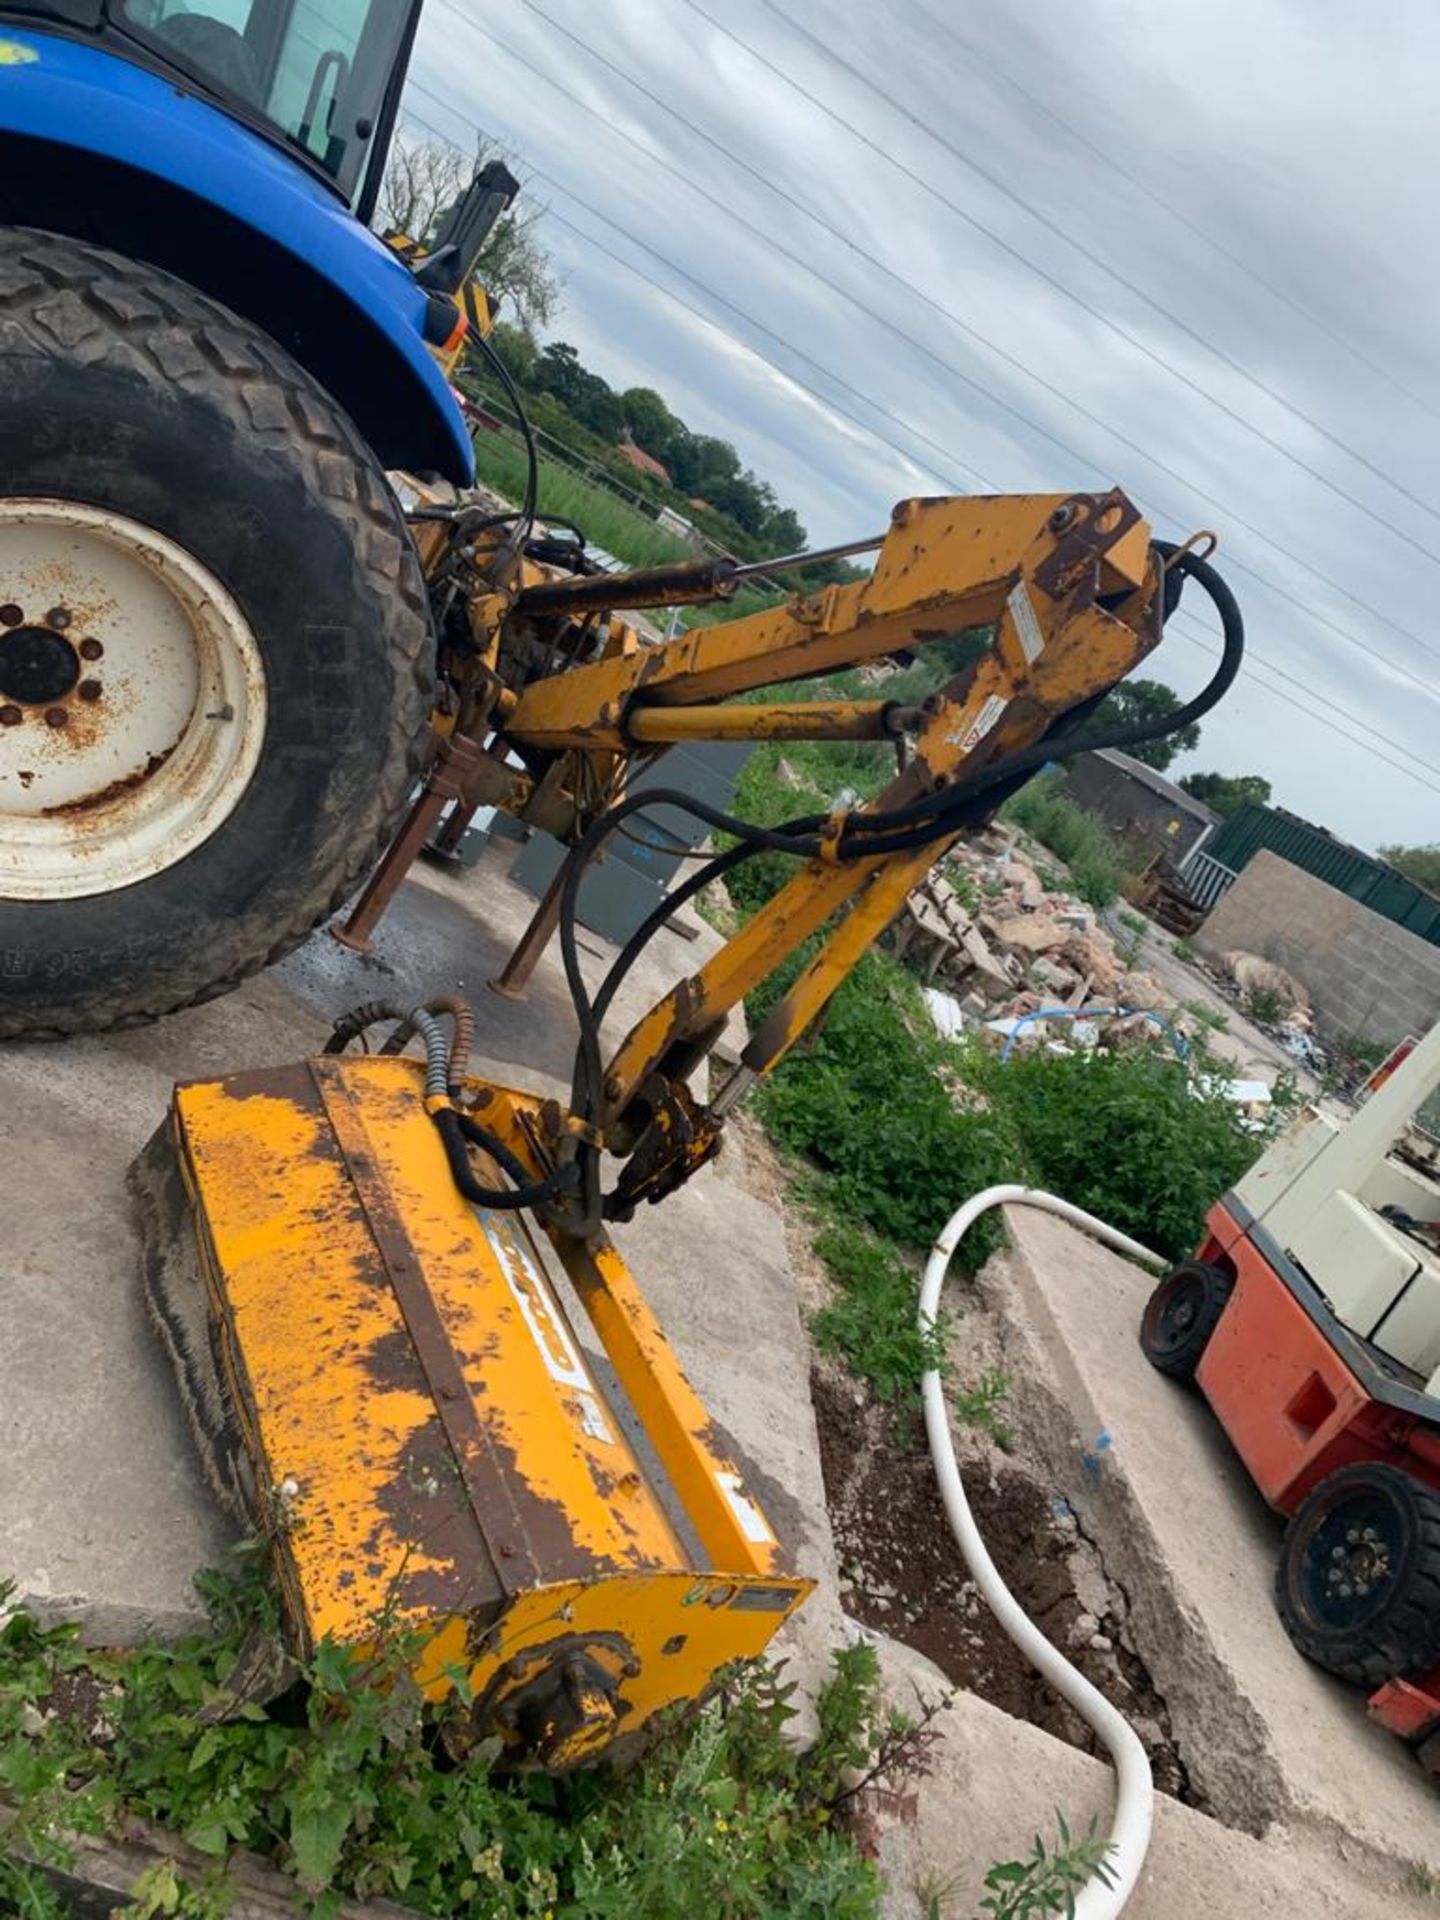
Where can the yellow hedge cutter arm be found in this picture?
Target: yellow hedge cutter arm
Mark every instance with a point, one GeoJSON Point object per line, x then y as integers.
{"type": "Point", "coordinates": [374, 1331]}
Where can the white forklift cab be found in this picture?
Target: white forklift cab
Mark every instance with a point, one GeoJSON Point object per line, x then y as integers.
{"type": "Point", "coordinates": [1310, 1320]}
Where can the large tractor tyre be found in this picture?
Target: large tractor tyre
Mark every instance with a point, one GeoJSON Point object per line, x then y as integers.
{"type": "Point", "coordinates": [216, 658]}
{"type": "Point", "coordinates": [1181, 1315]}
{"type": "Point", "coordinates": [1358, 1586]}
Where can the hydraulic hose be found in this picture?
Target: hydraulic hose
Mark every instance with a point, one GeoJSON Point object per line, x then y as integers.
{"type": "Point", "coordinates": [1099, 1899]}
{"type": "Point", "coordinates": [459, 1130]}
{"type": "Point", "coordinates": [445, 1064]}
{"type": "Point", "coordinates": [920, 823]}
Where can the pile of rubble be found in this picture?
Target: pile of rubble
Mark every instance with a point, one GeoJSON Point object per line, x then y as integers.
{"type": "Point", "coordinates": [1276, 1001]}
{"type": "Point", "coordinates": [1004, 946]}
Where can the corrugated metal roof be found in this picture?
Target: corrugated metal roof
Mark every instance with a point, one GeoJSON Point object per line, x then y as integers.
{"type": "Point", "coordinates": [1157, 783]}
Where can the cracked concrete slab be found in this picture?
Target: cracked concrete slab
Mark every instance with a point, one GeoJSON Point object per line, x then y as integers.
{"type": "Point", "coordinates": [1267, 1738]}
{"type": "Point", "coordinates": [103, 1513]}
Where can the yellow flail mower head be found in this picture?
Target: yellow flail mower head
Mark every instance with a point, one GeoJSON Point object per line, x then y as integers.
{"type": "Point", "coordinates": [388, 1386]}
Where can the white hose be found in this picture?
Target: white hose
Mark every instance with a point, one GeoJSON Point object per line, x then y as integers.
{"type": "Point", "coordinates": [1134, 1791]}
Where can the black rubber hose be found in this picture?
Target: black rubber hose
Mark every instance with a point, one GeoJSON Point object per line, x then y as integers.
{"type": "Point", "coordinates": [903, 829]}
{"type": "Point", "coordinates": [456, 1128]}
{"type": "Point", "coordinates": [714, 869]}
{"type": "Point", "coordinates": [351, 1025]}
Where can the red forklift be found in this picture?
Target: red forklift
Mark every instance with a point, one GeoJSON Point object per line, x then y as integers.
{"type": "Point", "coordinates": [1310, 1320]}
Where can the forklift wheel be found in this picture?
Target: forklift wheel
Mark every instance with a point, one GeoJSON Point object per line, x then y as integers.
{"type": "Point", "coordinates": [1358, 1585]}
{"type": "Point", "coordinates": [1181, 1314]}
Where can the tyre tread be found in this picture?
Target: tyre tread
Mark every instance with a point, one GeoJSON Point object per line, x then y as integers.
{"type": "Point", "coordinates": [1409, 1640]}
{"type": "Point", "coordinates": [99, 306]}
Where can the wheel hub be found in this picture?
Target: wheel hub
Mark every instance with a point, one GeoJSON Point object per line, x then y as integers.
{"type": "Point", "coordinates": [37, 666]}
{"type": "Point", "coordinates": [132, 701]}
{"type": "Point", "coordinates": [1353, 1557]}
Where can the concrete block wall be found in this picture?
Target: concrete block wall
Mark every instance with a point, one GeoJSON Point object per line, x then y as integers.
{"type": "Point", "coordinates": [1365, 975]}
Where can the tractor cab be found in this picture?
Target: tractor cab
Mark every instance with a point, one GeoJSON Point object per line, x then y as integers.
{"type": "Point", "coordinates": [322, 79]}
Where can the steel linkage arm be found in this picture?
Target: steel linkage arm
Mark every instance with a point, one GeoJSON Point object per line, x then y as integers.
{"type": "Point", "coordinates": [1072, 585]}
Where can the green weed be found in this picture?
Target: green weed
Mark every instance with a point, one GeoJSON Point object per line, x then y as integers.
{"type": "Point", "coordinates": [1187, 951]}
{"type": "Point", "coordinates": [347, 1789]}
{"type": "Point", "coordinates": [1213, 1019]}
{"type": "Point", "coordinates": [1099, 867]}
{"type": "Point", "coordinates": [979, 1406]}
{"type": "Point", "coordinates": [1048, 1878]}
{"type": "Point", "coordinates": [1266, 1005]}
{"type": "Point", "coordinates": [871, 1322]}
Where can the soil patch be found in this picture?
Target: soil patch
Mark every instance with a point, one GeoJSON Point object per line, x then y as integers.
{"type": "Point", "coordinates": [902, 1574]}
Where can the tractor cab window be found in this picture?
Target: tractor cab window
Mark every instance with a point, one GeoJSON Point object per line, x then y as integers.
{"type": "Point", "coordinates": [318, 70]}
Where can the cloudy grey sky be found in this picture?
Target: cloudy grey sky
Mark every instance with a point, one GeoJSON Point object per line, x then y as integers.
{"type": "Point", "coordinates": [911, 246]}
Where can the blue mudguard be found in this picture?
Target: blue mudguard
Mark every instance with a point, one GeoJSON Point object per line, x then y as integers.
{"type": "Point", "coordinates": [169, 178]}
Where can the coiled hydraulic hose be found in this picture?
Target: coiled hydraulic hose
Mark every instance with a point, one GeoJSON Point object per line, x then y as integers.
{"type": "Point", "coordinates": [445, 1065]}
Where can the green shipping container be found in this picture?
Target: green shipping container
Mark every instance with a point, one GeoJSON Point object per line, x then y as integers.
{"type": "Point", "coordinates": [1340, 865]}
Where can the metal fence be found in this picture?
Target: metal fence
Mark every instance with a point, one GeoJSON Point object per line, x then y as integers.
{"type": "Point", "coordinates": [1206, 878]}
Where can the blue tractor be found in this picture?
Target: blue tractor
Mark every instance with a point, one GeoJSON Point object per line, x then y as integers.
{"type": "Point", "coordinates": [217, 656]}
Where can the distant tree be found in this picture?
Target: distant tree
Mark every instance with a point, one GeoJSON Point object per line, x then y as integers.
{"type": "Point", "coordinates": [1226, 793]}
{"type": "Point", "coordinates": [651, 423]}
{"type": "Point", "coordinates": [1134, 702]}
{"type": "Point", "coordinates": [518, 351]}
{"type": "Point", "coordinates": [423, 180]}
{"type": "Point", "coordinates": [1420, 864]}
{"type": "Point", "coordinates": [785, 532]}
{"type": "Point", "coordinates": [593, 401]}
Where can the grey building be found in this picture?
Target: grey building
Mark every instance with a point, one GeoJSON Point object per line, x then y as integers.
{"type": "Point", "coordinates": [1140, 805]}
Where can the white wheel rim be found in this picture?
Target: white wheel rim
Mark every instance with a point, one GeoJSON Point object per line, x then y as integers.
{"type": "Point", "coordinates": [132, 701]}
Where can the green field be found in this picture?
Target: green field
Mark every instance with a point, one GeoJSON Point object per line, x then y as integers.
{"type": "Point", "coordinates": [603, 517]}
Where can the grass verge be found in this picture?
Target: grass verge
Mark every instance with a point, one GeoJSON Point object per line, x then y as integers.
{"type": "Point", "coordinates": [351, 1786]}
{"type": "Point", "coordinates": [1099, 867]}
{"type": "Point", "coordinates": [602, 516]}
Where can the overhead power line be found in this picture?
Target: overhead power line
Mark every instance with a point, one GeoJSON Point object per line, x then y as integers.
{"type": "Point", "coordinates": [825, 400]}
{"type": "Point", "coordinates": [1002, 187]}
{"type": "Point", "coordinates": [1169, 208]}
{"type": "Point", "coordinates": [1291, 704]}
{"type": "Point", "coordinates": [833, 286]}
{"type": "Point", "coordinates": [1254, 658]}
{"type": "Point", "coordinates": [1257, 661]}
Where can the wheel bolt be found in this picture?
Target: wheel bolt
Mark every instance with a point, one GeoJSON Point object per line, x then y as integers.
{"type": "Point", "coordinates": [1345, 1590]}
{"type": "Point", "coordinates": [56, 717]}
{"type": "Point", "coordinates": [89, 689]}
{"type": "Point", "coordinates": [1353, 1536]}
{"type": "Point", "coordinates": [90, 649]}
{"type": "Point", "coordinates": [10, 615]}
{"type": "Point", "coordinates": [10, 716]}
{"type": "Point", "coordinates": [1337, 1553]}
{"type": "Point", "coordinates": [59, 618]}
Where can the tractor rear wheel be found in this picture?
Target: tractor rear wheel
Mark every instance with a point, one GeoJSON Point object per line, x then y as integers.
{"type": "Point", "coordinates": [216, 657]}
{"type": "Point", "coordinates": [1181, 1314]}
{"type": "Point", "coordinates": [1358, 1586]}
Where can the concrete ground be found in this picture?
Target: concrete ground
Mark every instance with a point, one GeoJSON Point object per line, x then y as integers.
{"type": "Point", "coordinates": [1267, 1738]}
{"type": "Point", "coordinates": [998, 1782]}
{"type": "Point", "coordinates": [103, 1514]}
